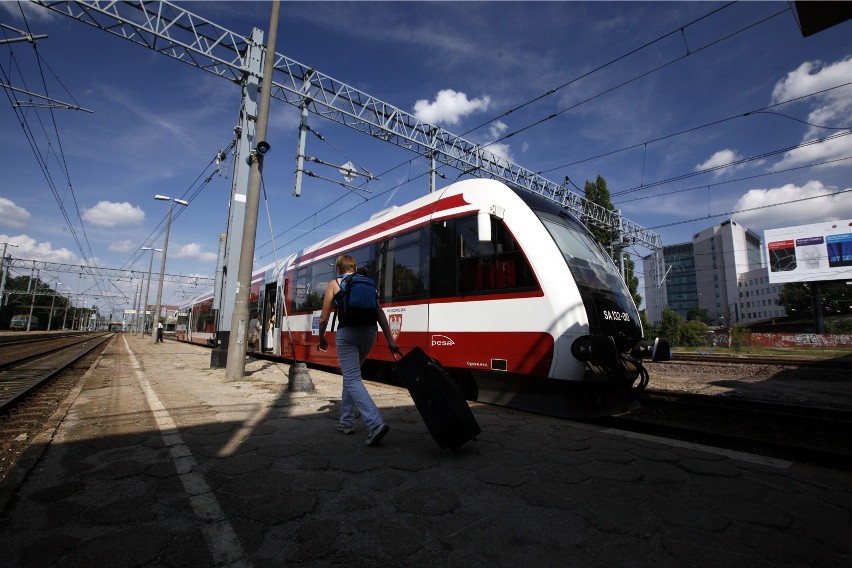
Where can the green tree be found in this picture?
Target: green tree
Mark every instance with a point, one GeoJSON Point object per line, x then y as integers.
{"type": "Point", "coordinates": [693, 333]}
{"type": "Point", "coordinates": [598, 193]}
{"type": "Point", "coordinates": [796, 299]}
{"type": "Point", "coordinates": [19, 297]}
{"type": "Point", "coordinates": [835, 296]}
{"type": "Point", "coordinates": [649, 331]}
{"type": "Point", "coordinates": [670, 322]}
{"type": "Point", "coordinates": [699, 314]}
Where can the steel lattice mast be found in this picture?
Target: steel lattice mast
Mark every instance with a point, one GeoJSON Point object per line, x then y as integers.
{"type": "Point", "coordinates": [182, 35]}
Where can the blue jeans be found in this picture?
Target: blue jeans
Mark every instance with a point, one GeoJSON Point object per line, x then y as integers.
{"type": "Point", "coordinates": [353, 345]}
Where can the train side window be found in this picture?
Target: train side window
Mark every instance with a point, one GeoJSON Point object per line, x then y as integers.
{"type": "Point", "coordinates": [321, 273]}
{"type": "Point", "coordinates": [401, 261]}
{"type": "Point", "coordinates": [365, 258]}
{"type": "Point", "coordinates": [311, 281]}
{"type": "Point", "coordinates": [498, 265]}
{"type": "Point", "coordinates": [301, 288]}
{"type": "Point", "coordinates": [442, 270]}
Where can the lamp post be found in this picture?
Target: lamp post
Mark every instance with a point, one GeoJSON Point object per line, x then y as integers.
{"type": "Point", "coordinates": [3, 270]}
{"type": "Point", "coordinates": [172, 202]}
{"type": "Point", "coordinates": [148, 285]}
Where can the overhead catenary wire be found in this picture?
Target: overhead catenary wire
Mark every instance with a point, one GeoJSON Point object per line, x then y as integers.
{"type": "Point", "coordinates": [85, 250]}
{"type": "Point", "coordinates": [762, 110]}
{"type": "Point", "coordinates": [728, 213]}
{"type": "Point", "coordinates": [601, 67]}
{"type": "Point", "coordinates": [644, 74]}
{"type": "Point", "coordinates": [678, 30]}
{"type": "Point", "coordinates": [732, 163]}
{"type": "Point", "coordinates": [734, 180]}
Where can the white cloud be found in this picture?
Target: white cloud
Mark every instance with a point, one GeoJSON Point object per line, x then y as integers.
{"type": "Point", "coordinates": [32, 12]}
{"type": "Point", "coordinates": [719, 161]}
{"type": "Point", "coordinates": [831, 108]}
{"type": "Point", "coordinates": [817, 153]}
{"type": "Point", "coordinates": [811, 77]}
{"type": "Point", "coordinates": [449, 107]}
{"type": "Point", "coordinates": [826, 207]}
{"type": "Point", "coordinates": [122, 246]}
{"type": "Point", "coordinates": [30, 249]}
{"type": "Point", "coordinates": [193, 251]}
{"type": "Point", "coordinates": [11, 215]}
{"type": "Point", "coordinates": [110, 214]}
{"type": "Point", "coordinates": [499, 150]}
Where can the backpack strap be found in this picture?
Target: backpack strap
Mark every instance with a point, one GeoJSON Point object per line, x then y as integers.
{"type": "Point", "coordinates": [339, 280]}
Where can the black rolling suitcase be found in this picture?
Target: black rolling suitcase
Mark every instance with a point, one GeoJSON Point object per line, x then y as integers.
{"type": "Point", "coordinates": [438, 399]}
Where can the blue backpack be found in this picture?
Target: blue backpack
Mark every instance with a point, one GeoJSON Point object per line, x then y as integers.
{"type": "Point", "coordinates": [356, 301]}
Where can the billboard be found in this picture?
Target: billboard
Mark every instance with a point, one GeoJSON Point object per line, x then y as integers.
{"type": "Point", "coordinates": [804, 253]}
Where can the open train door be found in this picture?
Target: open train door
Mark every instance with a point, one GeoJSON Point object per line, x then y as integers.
{"type": "Point", "coordinates": [270, 321]}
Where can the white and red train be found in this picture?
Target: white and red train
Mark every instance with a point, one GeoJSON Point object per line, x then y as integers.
{"type": "Point", "coordinates": [505, 288]}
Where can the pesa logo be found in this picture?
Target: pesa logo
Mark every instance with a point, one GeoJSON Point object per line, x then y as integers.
{"type": "Point", "coordinates": [442, 341]}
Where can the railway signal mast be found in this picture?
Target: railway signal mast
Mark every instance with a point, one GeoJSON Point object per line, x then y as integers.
{"type": "Point", "coordinates": [169, 29]}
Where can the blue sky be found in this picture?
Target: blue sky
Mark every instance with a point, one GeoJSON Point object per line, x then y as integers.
{"type": "Point", "coordinates": [685, 126]}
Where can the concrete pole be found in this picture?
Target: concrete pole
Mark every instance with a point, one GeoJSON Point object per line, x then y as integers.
{"type": "Point", "coordinates": [148, 287]}
{"type": "Point", "coordinates": [32, 300]}
{"type": "Point", "coordinates": [236, 362]}
{"type": "Point", "coordinates": [50, 317]}
{"type": "Point", "coordinates": [156, 316]}
{"type": "Point", "coordinates": [136, 300]}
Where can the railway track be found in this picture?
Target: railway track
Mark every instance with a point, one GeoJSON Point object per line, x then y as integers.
{"type": "Point", "coordinates": [818, 436]}
{"type": "Point", "coordinates": [27, 366]}
{"type": "Point", "coordinates": [818, 363]}
{"type": "Point", "coordinates": [32, 390]}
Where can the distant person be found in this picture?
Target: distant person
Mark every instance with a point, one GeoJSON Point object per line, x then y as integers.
{"type": "Point", "coordinates": [254, 330]}
{"type": "Point", "coordinates": [270, 333]}
{"type": "Point", "coordinates": [354, 340]}
{"type": "Point", "coordinates": [159, 332]}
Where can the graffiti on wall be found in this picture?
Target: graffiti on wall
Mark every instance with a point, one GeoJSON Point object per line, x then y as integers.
{"type": "Point", "coordinates": [801, 340]}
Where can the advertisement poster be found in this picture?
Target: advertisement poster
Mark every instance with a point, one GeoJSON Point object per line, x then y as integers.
{"type": "Point", "coordinates": [805, 253]}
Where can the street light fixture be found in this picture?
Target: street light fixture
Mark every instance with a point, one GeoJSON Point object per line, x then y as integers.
{"type": "Point", "coordinates": [172, 202]}
{"type": "Point", "coordinates": [147, 288]}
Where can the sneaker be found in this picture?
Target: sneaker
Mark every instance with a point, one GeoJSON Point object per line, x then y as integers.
{"type": "Point", "coordinates": [376, 434]}
{"type": "Point", "coordinates": [343, 428]}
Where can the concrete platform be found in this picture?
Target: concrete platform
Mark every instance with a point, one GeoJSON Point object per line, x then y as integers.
{"type": "Point", "coordinates": [157, 460]}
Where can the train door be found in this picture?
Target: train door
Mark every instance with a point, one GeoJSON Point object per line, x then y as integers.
{"type": "Point", "coordinates": [270, 321]}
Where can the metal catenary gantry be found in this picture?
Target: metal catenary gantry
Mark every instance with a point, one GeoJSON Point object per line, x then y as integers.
{"type": "Point", "coordinates": [173, 31]}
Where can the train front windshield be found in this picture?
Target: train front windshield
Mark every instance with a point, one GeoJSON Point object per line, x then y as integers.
{"type": "Point", "coordinates": [610, 310]}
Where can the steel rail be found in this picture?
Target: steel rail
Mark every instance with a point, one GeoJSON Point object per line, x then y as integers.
{"type": "Point", "coordinates": [16, 385]}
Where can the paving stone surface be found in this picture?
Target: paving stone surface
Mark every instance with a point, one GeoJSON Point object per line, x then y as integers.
{"type": "Point", "coordinates": [158, 460]}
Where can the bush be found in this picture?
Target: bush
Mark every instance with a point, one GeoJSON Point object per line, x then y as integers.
{"type": "Point", "coordinates": [693, 333]}
{"type": "Point", "coordinates": [739, 333]}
